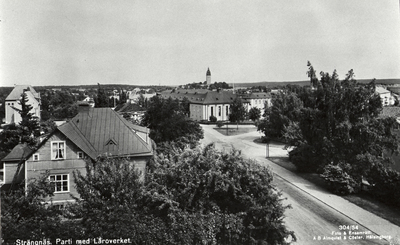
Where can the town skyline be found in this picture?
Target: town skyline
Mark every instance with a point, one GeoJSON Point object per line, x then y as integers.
{"type": "Point", "coordinates": [173, 42]}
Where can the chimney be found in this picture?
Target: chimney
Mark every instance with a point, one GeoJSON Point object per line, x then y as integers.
{"type": "Point", "coordinates": [83, 107]}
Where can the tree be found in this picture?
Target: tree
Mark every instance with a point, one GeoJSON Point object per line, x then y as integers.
{"type": "Point", "coordinates": [101, 100]}
{"type": "Point", "coordinates": [198, 196]}
{"type": "Point", "coordinates": [27, 215]}
{"type": "Point", "coordinates": [111, 203]}
{"type": "Point", "coordinates": [10, 137]}
{"type": "Point", "coordinates": [123, 97]}
{"type": "Point", "coordinates": [238, 112]}
{"type": "Point", "coordinates": [216, 197]}
{"type": "Point", "coordinates": [285, 109]}
{"type": "Point", "coordinates": [167, 122]}
{"type": "Point", "coordinates": [338, 132]}
{"type": "Point", "coordinates": [48, 126]}
{"type": "Point", "coordinates": [254, 114]}
{"type": "Point", "coordinates": [311, 75]}
{"type": "Point", "coordinates": [29, 123]}
{"type": "Point", "coordinates": [58, 105]}
{"type": "Point", "coordinates": [142, 101]}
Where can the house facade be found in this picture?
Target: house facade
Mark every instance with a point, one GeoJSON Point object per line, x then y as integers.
{"type": "Point", "coordinates": [12, 103]}
{"type": "Point", "coordinates": [92, 133]}
{"type": "Point", "coordinates": [258, 100]}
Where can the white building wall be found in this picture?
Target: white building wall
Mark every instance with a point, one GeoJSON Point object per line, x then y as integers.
{"type": "Point", "coordinates": [13, 116]}
{"type": "Point", "coordinates": [203, 112]}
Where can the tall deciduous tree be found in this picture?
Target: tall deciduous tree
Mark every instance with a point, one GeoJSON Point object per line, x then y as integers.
{"type": "Point", "coordinates": [339, 131]}
{"type": "Point", "coordinates": [233, 199]}
{"type": "Point", "coordinates": [237, 111]}
{"type": "Point", "coordinates": [168, 122]}
{"type": "Point", "coordinates": [285, 108]}
{"type": "Point", "coordinates": [111, 203]}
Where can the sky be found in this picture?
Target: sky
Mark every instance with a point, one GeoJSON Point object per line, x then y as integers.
{"type": "Point", "coordinates": [173, 42]}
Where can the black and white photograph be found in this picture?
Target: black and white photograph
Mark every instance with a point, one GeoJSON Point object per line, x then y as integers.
{"type": "Point", "coordinates": [200, 122]}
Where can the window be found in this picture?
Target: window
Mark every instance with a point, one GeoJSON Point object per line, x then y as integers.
{"type": "Point", "coordinates": [227, 110]}
{"type": "Point", "coordinates": [212, 111]}
{"type": "Point", "coordinates": [57, 150]}
{"type": "Point", "coordinates": [80, 155]}
{"type": "Point", "coordinates": [219, 110]}
{"type": "Point", "coordinates": [36, 157]}
{"type": "Point", "coordinates": [60, 182]}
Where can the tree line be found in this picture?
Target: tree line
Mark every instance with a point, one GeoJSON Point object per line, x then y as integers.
{"type": "Point", "coordinates": [335, 129]}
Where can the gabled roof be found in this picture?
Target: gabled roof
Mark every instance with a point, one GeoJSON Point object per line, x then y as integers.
{"type": "Point", "coordinates": [19, 152]}
{"type": "Point", "coordinates": [93, 130]}
{"type": "Point", "coordinates": [19, 89]}
{"type": "Point", "coordinates": [223, 97]}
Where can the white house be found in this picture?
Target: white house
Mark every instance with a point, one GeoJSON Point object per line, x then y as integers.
{"type": "Point", "coordinates": [12, 103]}
{"type": "Point", "coordinates": [258, 100]}
{"type": "Point", "coordinates": [386, 96]}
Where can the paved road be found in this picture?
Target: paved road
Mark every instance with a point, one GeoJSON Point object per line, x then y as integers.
{"type": "Point", "coordinates": [310, 217]}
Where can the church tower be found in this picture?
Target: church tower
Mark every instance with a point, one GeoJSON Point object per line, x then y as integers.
{"type": "Point", "coordinates": [208, 77]}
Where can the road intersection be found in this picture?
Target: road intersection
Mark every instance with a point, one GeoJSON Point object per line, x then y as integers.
{"type": "Point", "coordinates": [317, 216]}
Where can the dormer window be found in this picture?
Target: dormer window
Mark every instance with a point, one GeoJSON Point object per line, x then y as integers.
{"type": "Point", "coordinates": [111, 142]}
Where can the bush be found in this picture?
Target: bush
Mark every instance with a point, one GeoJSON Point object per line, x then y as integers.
{"type": "Point", "coordinates": [304, 159]}
{"type": "Point", "coordinates": [339, 182]}
{"type": "Point", "coordinates": [220, 124]}
{"type": "Point", "coordinates": [385, 184]}
{"type": "Point", "coordinates": [213, 119]}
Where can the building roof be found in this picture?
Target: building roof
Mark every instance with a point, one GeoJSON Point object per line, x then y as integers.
{"type": "Point", "coordinates": [98, 131]}
{"type": "Point", "coordinates": [128, 107]}
{"type": "Point", "coordinates": [390, 111]}
{"type": "Point", "coordinates": [258, 95]}
{"type": "Point", "coordinates": [223, 97]}
{"type": "Point", "coordinates": [186, 91]}
{"type": "Point", "coordinates": [381, 90]}
{"type": "Point", "coordinates": [19, 89]}
{"type": "Point", "coordinates": [19, 152]}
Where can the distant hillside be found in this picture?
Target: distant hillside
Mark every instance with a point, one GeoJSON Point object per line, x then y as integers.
{"type": "Point", "coordinates": [303, 83]}
{"type": "Point", "coordinates": [272, 84]}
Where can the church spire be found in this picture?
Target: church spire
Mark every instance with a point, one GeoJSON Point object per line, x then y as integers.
{"type": "Point", "coordinates": [208, 76]}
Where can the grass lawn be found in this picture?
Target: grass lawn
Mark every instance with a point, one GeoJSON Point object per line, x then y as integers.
{"type": "Point", "coordinates": [362, 200]}
{"type": "Point", "coordinates": [232, 130]}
